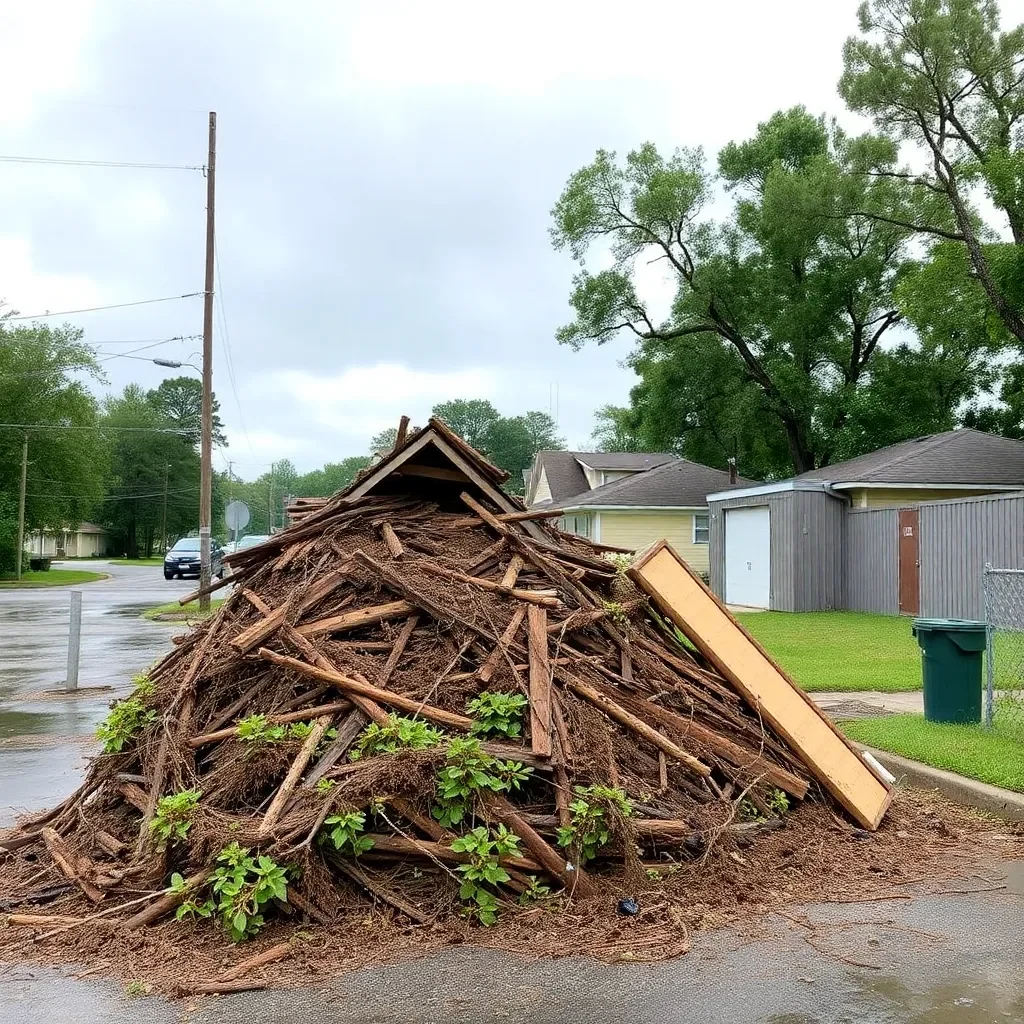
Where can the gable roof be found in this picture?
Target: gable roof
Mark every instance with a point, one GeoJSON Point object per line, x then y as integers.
{"type": "Point", "coordinates": [565, 475]}
{"type": "Point", "coordinates": [962, 456]}
{"type": "Point", "coordinates": [676, 484]}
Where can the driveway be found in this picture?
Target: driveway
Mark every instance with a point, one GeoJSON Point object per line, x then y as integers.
{"type": "Point", "coordinates": [44, 736]}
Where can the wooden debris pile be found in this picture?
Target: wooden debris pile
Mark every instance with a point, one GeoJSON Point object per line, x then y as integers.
{"type": "Point", "coordinates": [421, 694]}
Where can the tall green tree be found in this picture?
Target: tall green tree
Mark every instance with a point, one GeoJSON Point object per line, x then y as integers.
{"type": "Point", "coordinates": [149, 458]}
{"type": "Point", "coordinates": [780, 311]}
{"type": "Point", "coordinates": [942, 75]}
{"type": "Point", "coordinates": [42, 386]}
{"type": "Point", "coordinates": [470, 418]}
{"type": "Point", "coordinates": [180, 400]}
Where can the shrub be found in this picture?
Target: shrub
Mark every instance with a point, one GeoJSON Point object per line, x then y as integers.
{"type": "Point", "coordinates": [497, 714]}
{"type": "Point", "coordinates": [173, 816]}
{"type": "Point", "coordinates": [127, 718]}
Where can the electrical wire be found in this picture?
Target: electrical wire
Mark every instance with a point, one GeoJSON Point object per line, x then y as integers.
{"type": "Point", "coordinates": [96, 309]}
{"type": "Point", "coordinates": [68, 162]}
{"type": "Point", "coordinates": [144, 341]}
{"type": "Point", "coordinates": [228, 358]}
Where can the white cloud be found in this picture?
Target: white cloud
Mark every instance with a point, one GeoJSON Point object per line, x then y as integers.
{"type": "Point", "coordinates": [363, 400]}
{"type": "Point", "coordinates": [30, 290]}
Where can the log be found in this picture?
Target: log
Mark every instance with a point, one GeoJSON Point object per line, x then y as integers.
{"type": "Point", "coordinates": [10, 845]}
{"type": "Point", "coordinates": [156, 788]}
{"type": "Point", "coordinates": [134, 795]}
{"type": "Point", "coordinates": [634, 724]}
{"type": "Point", "coordinates": [512, 517]}
{"type": "Point", "coordinates": [423, 822]}
{"type": "Point", "coordinates": [379, 890]}
{"type": "Point", "coordinates": [268, 956]}
{"type": "Point", "coordinates": [165, 904]}
{"type": "Point", "coordinates": [259, 632]}
{"type": "Point", "coordinates": [540, 682]}
{"type": "Point", "coordinates": [354, 686]}
{"type": "Point", "coordinates": [218, 988]}
{"type": "Point", "coordinates": [394, 545]}
{"type": "Point", "coordinates": [515, 567]}
{"type": "Point", "coordinates": [41, 920]}
{"type": "Point", "coordinates": [577, 882]}
{"type": "Point", "coordinates": [226, 581]}
{"type": "Point", "coordinates": [320, 591]}
{"type": "Point", "coordinates": [355, 620]}
{"type": "Point", "coordinates": [110, 844]}
{"type": "Point", "coordinates": [404, 847]}
{"type": "Point", "coordinates": [291, 780]}
{"type": "Point", "coordinates": [530, 596]}
{"type": "Point", "coordinates": [397, 650]}
{"type": "Point", "coordinates": [349, 729]}
{"type": "Point", "coordinates": [494, 659]}
{"type": "Point", "coordinates": [291, 716]}
{"type": "Point", "coordinates": [62, 857]}
{"type": "Point", "coordinates": [487, 556]}
{"type": "Point", "coordinates": [402, 433]}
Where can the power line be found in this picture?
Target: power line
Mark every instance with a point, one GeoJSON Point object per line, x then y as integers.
{"type": "Point", "coordinates": [106, 357]}
{"type": "Point", "coordinates": [111, 497]}
{"type": "Point", "coordinates": [67, 162]}
{"type": "Point", "coordinates": [219, 295]}
{"type": "Point", "coordinates": [144, 341]}
{"type": "Point", "coordinates": [96, 309]}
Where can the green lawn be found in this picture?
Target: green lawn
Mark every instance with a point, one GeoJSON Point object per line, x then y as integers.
{"type": "Point", "coordinates": [993, 755]}
{"type": "Point", "coordinates": [840, 650]}
{"type": "Point", "coordinates": [137, 561]}
{"type": "Point", "coordinates": [52, 578]}
{"type": "Point", "coordinates": [175, 612]}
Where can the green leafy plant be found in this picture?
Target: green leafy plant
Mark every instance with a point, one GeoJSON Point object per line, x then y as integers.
{"type": "Point", "coordinates": [173, 816]}
{"type": "Point", "coordinates": [589, 828]}
{"type": "Point", "coordinates": [242, 886]}
{"type": "Point", "coordinates": [346, 832]}
{"type": "Point", "coordinates": [143, 687]}
{"type": "Point", "coordinates": [127, 718]}
{"type": "Point", "coordinates": [258, 729]}
{"type": "Point", "coordinates": [135, 988]}
{"type": "Point", "coordinates": [189, 908]}
{"type": "Point", "coordinates": [397, 733]}
{"type": "Point", "coordinates": [484, 848]}
{"type": "Point", "coordinates": [535, 892]}
{"type": "Point", "coordinates": [497, 714]}
{"type": "Point", "coordinates": [749, 810]}
{"type": "Point", "coordinates": [299, 730]}
{"type": "Point", "coordinates": [324, 786]}
{"type": "Point", "coordinates": [468, 769]}
{"type": "Point", "coordinates": [616, 613]}
{"type": "Point", "coordinates": [622, 562]}
{"type": "Point", "coordinates": [778, 802]}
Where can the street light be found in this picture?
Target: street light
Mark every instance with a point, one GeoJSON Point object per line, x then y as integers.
{"type": "Point", "coordinates": [174, 364]}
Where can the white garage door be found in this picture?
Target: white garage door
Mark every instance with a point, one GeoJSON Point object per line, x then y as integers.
{"type": "Point", "coordinates": [747, 556]}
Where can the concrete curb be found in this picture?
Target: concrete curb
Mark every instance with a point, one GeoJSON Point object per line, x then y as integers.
{"type": "Point", "coordinates": [1004, 803]}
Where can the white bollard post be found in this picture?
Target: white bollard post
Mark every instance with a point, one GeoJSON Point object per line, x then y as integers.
{"type": "Point", "coordinates": [74, 640]}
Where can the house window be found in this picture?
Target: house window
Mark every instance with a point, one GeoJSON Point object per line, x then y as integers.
{"type": "Point", "coordinates": [701, 529]}
{"type": "Point", "coordinates": [579, 525]}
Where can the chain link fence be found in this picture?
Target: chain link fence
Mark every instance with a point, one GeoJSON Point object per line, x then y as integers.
{"type": "Point", "coordinates": [1004, 656]}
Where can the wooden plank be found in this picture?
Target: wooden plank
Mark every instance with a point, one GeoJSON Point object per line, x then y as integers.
{"type": "Point", "coordinates": [391, 540]}
{"type": "Point", "coordinates": [364, 689]}
{"type": "Point", "coordinates": [260, 631]}
{"type": "Point", "coordinates": [494, 659]}
{"type": "Point", "coordinates": [540, 682]}
{"type": "Point", "coordinates": [291, 780]}
{"type": "Point", "coordinates": [402, 433]}
{"type": "Point", "coordinates": [544, 600]}
{"type": "Point", "coordinates": [710, 627]}
{"type": "Point", "coordinates": [397, 649]}
{"type": "Point", "coordinates": [361, 617]}
{"type": "Point", "coordinates": [431, 472]}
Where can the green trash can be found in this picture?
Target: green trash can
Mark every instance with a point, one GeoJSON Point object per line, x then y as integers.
{"type": "Point", "coordinates": [951, 652]}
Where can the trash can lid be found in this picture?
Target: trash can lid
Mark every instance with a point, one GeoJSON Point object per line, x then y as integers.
{"type": "Point", "coordinates": [951, 625]}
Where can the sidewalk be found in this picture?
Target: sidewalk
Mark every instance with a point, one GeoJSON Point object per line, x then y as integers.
{"type": "Point", "coordinates": [867, 703]}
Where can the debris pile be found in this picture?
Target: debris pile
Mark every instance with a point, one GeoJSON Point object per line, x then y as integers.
{"type": "Point", "coordinates": [419, 694]}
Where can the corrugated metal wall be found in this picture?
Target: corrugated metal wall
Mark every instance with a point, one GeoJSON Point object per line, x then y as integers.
{"type": "Point", "coordinates": [781, 513]}
{"type": "Point", "coordinates": [871, 564]}
{"type": "Point", "coordinates": [957, 539]}
{"type": "Point", "coordinates": [817, 551]}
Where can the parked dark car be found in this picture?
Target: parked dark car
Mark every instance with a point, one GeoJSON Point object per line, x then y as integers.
{"type": "Point", "coordinates": [183, 559]}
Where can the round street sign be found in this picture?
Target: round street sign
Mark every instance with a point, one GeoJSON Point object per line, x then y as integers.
{"type": "Point", "coordinates": [236, 515]}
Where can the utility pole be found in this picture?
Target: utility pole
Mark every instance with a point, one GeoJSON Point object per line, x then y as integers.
{"type": "Point", "coordinates": [206, 446]}
{"type": "Point", "coordinates": [163, 532]}
{"type": "Point", "coordinates": [21, 505]}
{"type": "Point", "coordinates": [270, 501]}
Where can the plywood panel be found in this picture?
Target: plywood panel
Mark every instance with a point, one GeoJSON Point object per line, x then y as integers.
{"type": "Point", "coordinates": [662, 574]}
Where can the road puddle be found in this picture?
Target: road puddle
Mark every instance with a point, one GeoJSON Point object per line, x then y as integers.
{"type": "Point", "coordinates": [988, 997]}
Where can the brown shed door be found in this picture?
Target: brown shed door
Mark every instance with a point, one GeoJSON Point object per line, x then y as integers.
{"type": "Point", "coordinates": [910, 564]}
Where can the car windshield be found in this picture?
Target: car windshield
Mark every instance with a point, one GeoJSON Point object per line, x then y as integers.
{"type": "Point", "coordinates": [251, 541]}
{"type": "Point", "coordinates": [187, 544]}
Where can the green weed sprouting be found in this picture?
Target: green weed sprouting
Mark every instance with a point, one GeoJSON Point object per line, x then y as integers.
{"type": "Point", "coordinates": [483, 869]}
{"type": "Point", "coordinates": [468, 770]}
{"type": "Point", "coordinates": [589, 828]}
{"type": "Point", "coordinates": [126, 720]}
{"type": "Point", "coordinates": [173, 816]}
{"type": "Point", "coordinates": [497, 714]}
{"type": "Point", "coordinates": [398, 733]}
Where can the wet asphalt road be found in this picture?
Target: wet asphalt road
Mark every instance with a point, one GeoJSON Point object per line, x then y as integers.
{"type": "Point", "coordinates": [44, 737]}
{"type": "Point", "coordinates": [936, 960]}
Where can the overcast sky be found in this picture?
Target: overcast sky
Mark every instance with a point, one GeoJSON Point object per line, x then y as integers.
{"type": "Point", "coordinates": [385, 174]}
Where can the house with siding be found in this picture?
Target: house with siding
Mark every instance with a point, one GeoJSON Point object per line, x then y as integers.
{"type": "Point", "coordinates": [629, 499]}
{"type": "Point", "coordinates": [865, 534]}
